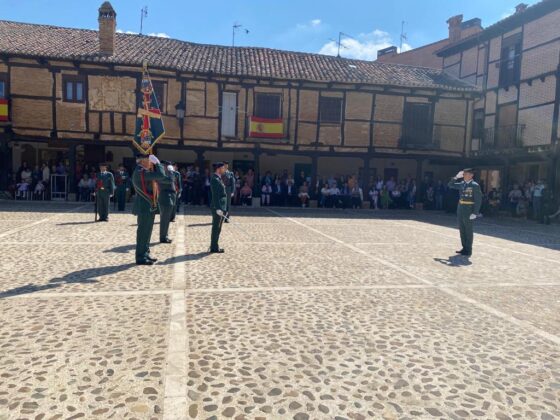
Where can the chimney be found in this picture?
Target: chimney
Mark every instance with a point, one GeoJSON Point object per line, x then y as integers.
{"type": "Point", "coordinates": [107, 25]}
{"type": "Point", "coordinates": [455, 28]}
{"type": "Point", "coordinates": [386, 51]}
{"type": "Point", "coordinates": [521, 7]}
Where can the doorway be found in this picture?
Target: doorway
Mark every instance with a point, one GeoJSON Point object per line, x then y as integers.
{"type": "Point", "coordinates": [229, 114]}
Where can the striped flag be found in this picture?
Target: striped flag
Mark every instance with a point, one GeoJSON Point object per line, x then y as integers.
{"type": "Point", "coordinates": [266, 128]}
{"type": "Point", "coordinates": [3, 110]}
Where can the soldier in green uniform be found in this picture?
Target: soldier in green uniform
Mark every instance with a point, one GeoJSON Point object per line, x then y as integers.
{"type": "Point", "coordinates": [218, 205]}
{"type": "Point", "coordinates": [122, 181]}
{"type": "Point", "coordinates": [105, 188]}
{"type": "Point", "coordinates": [167, 201]}
{"type": "Point", "coordinates": [229, 182]}
{"type": "Point", "coordinates": [149, 169]}
{"type": "Point", "coordinates": [468, 209]}
{"type": "Point", "coordinates": [178, 191]}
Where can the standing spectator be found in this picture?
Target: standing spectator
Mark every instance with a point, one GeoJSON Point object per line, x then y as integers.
{"type": "Point", "coordinates": [412, 191]}
{"type": "Point", "coordinates": [246, 194]}
{"type": "Point", "coordinates": [289, 193]}
{"type": "Point", "coordinates": [374, 198]}
{"type": "Point", "coordinates": [277, 192]}
{"type": "Point", "coordinates": [537, 201]}
{"type": "Point", "coordinates": [385, 198]}
{"type": "Point", "coordinates": [440, 193]}
{"type": "Point", "coordinates": [206, 187]}
{"type": "Point", "coordinates": [357, 196]}
{"type": "Point", "coordinates": [250, 178]}
{"type": "Point", "coordinates": [514, 196]}
{"type": "Point", "coordinates": [324, 195]}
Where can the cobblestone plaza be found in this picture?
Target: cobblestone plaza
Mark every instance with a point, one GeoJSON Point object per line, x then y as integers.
{"type": "Point", "coordinates": [308, 315]}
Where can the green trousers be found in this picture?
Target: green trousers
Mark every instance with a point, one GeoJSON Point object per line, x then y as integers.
{"type": "Point", "coordinates": [165, 213]}
{"type": "Point", "coordinates": [175, 207]}
{"type": "Point", "coordinates": [465, 227]}
{"type": "Point", "coordinates": [121, 198]}
{"type": "Point", "coordinates": [144, 234]}
{"type": "Point", "coordinates": [217, 222]}
{"type": "Point", "coordinates": [102, 198]}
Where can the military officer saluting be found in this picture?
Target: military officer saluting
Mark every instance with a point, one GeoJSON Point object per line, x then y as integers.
{"type": "Point", "coordinates": [148, 170]}
{"type": "Point", "coordinates": [166, 199]}
{"type": "Point", "coordinates": [218, 205]}
{"type": "Point", "coordinates": [105, 188]}
{"type": "Point", "coordinates": [122, 181]}
{"type": "Point", "coordinates": [468, 209]}
{"type": "Point", "coordinates": [178, 191]}
{"type": "Point", "coordinates": [229, 182]}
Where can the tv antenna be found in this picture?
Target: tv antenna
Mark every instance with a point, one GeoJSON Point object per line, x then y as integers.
{"type": "Point", "coordinates": [235, 28]}
{"type": "Point", "coordinates": [143, 14]}
{"type": "Point", "coordinates": [339, 43]}
{"type": "Point", "coordinates": [403, 36]}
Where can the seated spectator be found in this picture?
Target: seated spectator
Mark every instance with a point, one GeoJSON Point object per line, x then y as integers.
{"type": "Point", "coordinates": [39, 188]}
{"type": "Point", "coordinates": [304, 194]}
{"type": "Point", "coordinates": [395, 197]}
{"type": "Point", "coordinates": [357, 196]}
{"type": "Point", "coordinates": [84, 188]}
{"type": "Point", "coordinates": [22, 189]}
{"type": "Point", "coordinates": [374, 198]}
{"type": "Point", "coordinates": [246, 195]}
{"type": "Point", "coordinates": [266, 192]}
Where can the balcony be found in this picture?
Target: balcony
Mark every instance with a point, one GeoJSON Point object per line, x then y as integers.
{"type": "Point", "coordinates": [503, 137]}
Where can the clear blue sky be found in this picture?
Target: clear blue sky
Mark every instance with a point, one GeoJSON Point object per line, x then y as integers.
{"type": "Point", "coordinates": [300, 25]}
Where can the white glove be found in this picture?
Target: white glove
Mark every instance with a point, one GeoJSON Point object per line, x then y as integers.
{"type": "Point", "coordinates": [219, 212]}
{"type": "Point", "coordinates": [153, 159]}
{"type": "Point", "coordinates": [459, 175]}
{"type": "Point", "coordinates": [170, 168]}
{"type": "Point", "coordinates": [472, 217]}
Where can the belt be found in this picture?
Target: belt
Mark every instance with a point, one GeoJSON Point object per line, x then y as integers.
{"type": "Point", "coordinates": [466, 202]}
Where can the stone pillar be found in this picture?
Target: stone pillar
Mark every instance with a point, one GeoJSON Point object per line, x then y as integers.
{"type": "Point", "coordinates": [419, 171]}
{"type": "Point", "coordinates": [200, 160]}
{"type": "Point", "coordinates": [366, 175]}
{"type": "Point", "coordinates": [72, 164]}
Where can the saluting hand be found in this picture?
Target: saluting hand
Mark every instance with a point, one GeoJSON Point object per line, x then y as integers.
{"type": "Point", "coordinates": [472, 216]}
{"type": "Point", "coordinates": [153, 159]}
{"type": "Point", "coordinates": [459, 175]}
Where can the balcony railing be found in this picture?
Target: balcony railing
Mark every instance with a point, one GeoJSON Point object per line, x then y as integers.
{"type": "Point", "coordinates": [421, 141]}
{"type": "Point", "coordinates": [503, 137]}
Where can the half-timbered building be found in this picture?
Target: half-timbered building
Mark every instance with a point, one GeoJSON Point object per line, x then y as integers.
{"type": "Point", "coordinates": [73, 94]}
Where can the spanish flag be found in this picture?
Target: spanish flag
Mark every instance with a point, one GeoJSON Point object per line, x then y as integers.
{"type": "Point", "coordinates": [266, 128]}
{"type": "Point", "coordinates": [3, 110]}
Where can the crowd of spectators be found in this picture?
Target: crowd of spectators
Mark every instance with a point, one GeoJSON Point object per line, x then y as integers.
{"type": "Point", "coordinates": [531, 199]}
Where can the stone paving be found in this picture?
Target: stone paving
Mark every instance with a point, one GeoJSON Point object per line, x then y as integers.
{"type": "Point", "coordinates": [309, 314]}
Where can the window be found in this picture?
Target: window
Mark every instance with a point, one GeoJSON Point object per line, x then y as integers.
{"type": "Point", "coordinates": [3, 86]}
{"type": "Point", "coordinates": [510, 60]}
{"type": "Point", "coordinates": [74, 89]}
{"type": "Point", "coordinates": [417, 127]}
{"type": "Point", "coordinates": [330, 110]}
{"type": "Point", "coordinates": [268, 106]}
{"type": "Point", "coordinates": [478, 124]}
{"type": "Point", "coordinates": [159, 90]}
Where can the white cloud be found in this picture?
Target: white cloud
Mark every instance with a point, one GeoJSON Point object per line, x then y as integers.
{"type": "Point", "coordinates": [362, 47]}
{"type": "Point", "coordinates": [311, 25]}
{"type": "Point", "coordinates": [157, 34]}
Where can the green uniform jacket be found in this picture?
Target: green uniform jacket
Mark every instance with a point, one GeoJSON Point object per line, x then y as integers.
{"type": "Point", "coordinates": [167, 190]}
{"type": "Point", "coordinates": [142, 182]}
{"type": "Point", "coordinates": [470, 195]}
{"type": "Point", "coordinates": [124, 180]}
{"type": "Point", "coordinates": [219, 196]}
{"type": "Point", "coordinates": [229, 182]}
{"type": "Point", "coordinates": [106, 183]}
